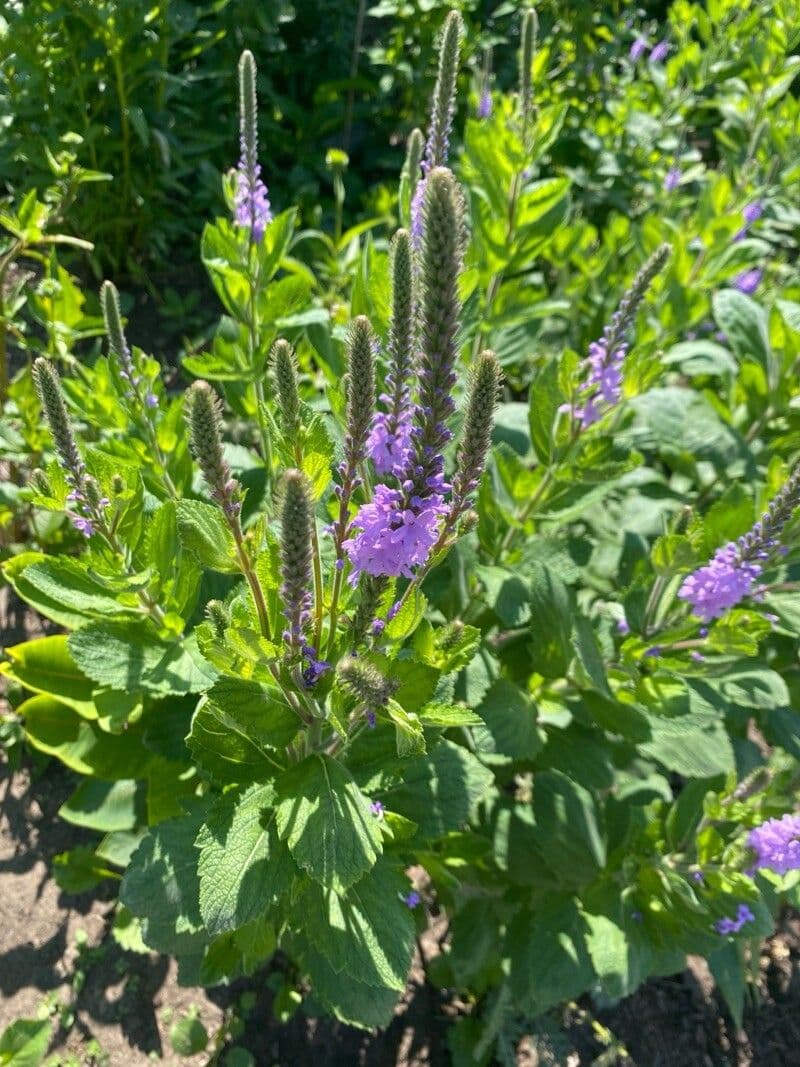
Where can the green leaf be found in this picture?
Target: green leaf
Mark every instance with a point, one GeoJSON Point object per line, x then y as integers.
{"type": "Point", "coordinates": [241, 729]}
{"type": "Point", "coordinates": [54, 728]}
{"type": "Point", "coordinates": [551, 622]}
{"type": "Point", "coordinates": [161, 886]}
{"type": "Point", "coordinates": [46, 666]}
{"type": "Point", "coordinates": [66, 583]}
{"type": "Point", "coordinates": [131, 656]}
{"type": "Point", "coordinates": [559, 968]}
{"type": "Point", "coordinates": [728, 967]}
{"type": "Point", "coordinates": [509, 730]}
{"type": "Point", "coordinates": [408, 731]}
{"type": "Point", "coordinates": [745, 324]}
{"type": "Point", "coordinates": [441, 791]}
{"type": "Point", "coordinates": [590, 657]}
{"type": "Point", "coordinates": [205, 534]}
{"type": "Point", "coordinates": [80, 869]}
{"type": "Point", "coordinates": [326, 821]}
{"type": "Point", "coordinates": [243, 866]}
{"type": "Point", "coordinates": [546, 398]}
{"type": "Point", "coordinates": [350, 1001]}
{"type": "Point", "coordinates": [188, 1036]}
{"type": "Point", "coordinates": [408, 618]}
{"type": "Point", "coordinates": [105, 806]}
{"type": "Point", "coordinates": [367, 933]}
{"type": "Point", "coordinates": [449, 715]}
{"type": "Point", "coordinates": [25, 1042]}
{"type": "Point", "coordinates": [568, 829]}
{"type": "Point", "coordinates": [695, 745]}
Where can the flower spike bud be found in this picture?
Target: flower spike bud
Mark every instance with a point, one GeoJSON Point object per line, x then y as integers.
{"type": "Point", "coordinates": [370, 591]}
{"type": "Point", "coordinates": [602, 388]}
{"type": "Point", "coordinates": [217, 615]}
{"type": "Point", "coordinates": [476, 436]}
{"type": "Point", "coordinates": [248, 110]}
{"type": "Point", "coordinates": [87, 502]}
{"type": "Point", "coordinates": [530, 29]}
{"type": "Point", "coordinates": [444, 94]}
{"type": "Point", "coordinates": [366, 683]}
{"type": "Point", "coordinates": [251, 201]}
{"type": "Point", "coordinates": [135, 386]}
{"type": "Point", "coordinates": [285, 370]}
{"type": "Point", "coordinates": [204, 416]}
{"type": "Point", "coordinates": [390, 441]}
{"type": "Point", "coordinates": [360, 389]}
{"type": "Point", "coordinates": [415, 150]}
{"type": "Point", "coordinates": [296, 555]}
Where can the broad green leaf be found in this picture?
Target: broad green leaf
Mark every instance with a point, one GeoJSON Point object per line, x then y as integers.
{"type": "Point", "coordinates": [130, 657]}
{"type": "Point", "coordinates": [80, 869]}
{"type": "Point", "coordinates": [729, 969]}
{"type": "Point", "coordinates": [745, 324]}
{"type": "Point", "coordinates": [46, 666]}
{"type": "Point", "coordinates": [240, 730]}
{"type": "Point", "coordinates": [508, 725]}
{"type": "Point", "coordinates": [350, 1001]}
{"type": "Point", "coordinates": [546, 398]}
{"type": "Point", "coordinates": [441, 791]}
{"type": "Point", "coordinates": [448, 715]}
{"type": "Point", "coordinates": [326, 821]}
{"type": "Point", "coordinates": [243, 866]}
{"type": "Point", "coordinates": [25, 1042]}
{"type": "Point", "coordinates": [550, 623]}
{"type": "Point", "coordinates": [408, 729]}
{"type": "Point", "coordinates": [568, 830]}
{"type": "Point", "coordinates": [695, 745]}
{"type": "Point", "coordinates": [65, 582]}
{"type": "Point", "coordinates": [161, 886]}
{"type": "Point", "coordinates": [549, 957]}
{"type": "Point", "coordinates": [188, 1036]}
{"type": "Point", "coordinates": [105, 806]}
{"type": "Point", "coordinates": [57, 730]}
{"type": "Point", "coordinates": [367, 933]}
{"type": "Point", "coordinates": [205, 534]}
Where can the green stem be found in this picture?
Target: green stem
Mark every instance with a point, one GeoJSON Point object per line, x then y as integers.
{"type": "Point", "coordinates": [246, 567]}
{"type": "Point", "coordinates": [253, 332]}
{"type": "Point", "coordinates": [125, 127]}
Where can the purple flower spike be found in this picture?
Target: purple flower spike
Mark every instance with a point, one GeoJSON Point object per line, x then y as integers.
{"type": "Point", "coordinates": [660, 52]}
{"type": "Point", "coordinates": [485, 105]}
{"type": "Point", "coordinates": [638, 49]}
{"type": "Point", "coordinates": [776, 844]}
{"type": "Point", "coordinates": [393, 537]}
{"type": "Point", "coordinates": [389, 450]}
{"type": "Point", "coordinates": [721, 584]}
{"type": "Point", "coordinates": [748, 281]}
{"type": "Point", "coordinates": [672, 180]}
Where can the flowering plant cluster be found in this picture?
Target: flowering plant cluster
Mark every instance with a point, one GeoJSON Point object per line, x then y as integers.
{"type": "Point", "coordinates": [445, 591]}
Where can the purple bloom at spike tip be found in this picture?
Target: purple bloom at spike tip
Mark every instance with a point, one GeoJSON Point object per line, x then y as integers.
{"type": "Point", "coordinates": [252, 208]}
{"type": "Point", "coordinates": [672, 179]}
{"type": "Point", "coordinates": [733, 926]}
{"type": "Point", "coordinates": [412, 899]}
{"type": "Point", "coordinates": [390, 448]}
{"type": "Point", "coordinates": [721, 584]}
{"type": "Point", "coordinates": [393, 537]}
{"type": "Point", "coordinates": [623, 626]}
{"type": "Point", "coordinates": [776, 844]}
{"type": "Point", "coordinates": [753, 212]}
{"type": "Point", "coordinates": [638, 49]}
{"type": "Point", "coordinates": [83, 525]}
{"type": "Point", "coordinates": [484, 104]}
{"type": "Point", "coordinates": [604, 381]}
{"type": "Point", "coordinates": [377, 809]}
{"type": "Point", "coordinates": [748, 281]}
{"type": "Point", "coordinates": [659, 52]}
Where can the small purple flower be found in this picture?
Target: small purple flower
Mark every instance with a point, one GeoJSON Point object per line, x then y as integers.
{"type": "Point", "coordinates": [315, 667]}
{"type": "Point", "coordinates": [377, 627]}
{"type": "Point", "coordinates": [251, 203]}
{"type": "Point", "coordinates": [485, 104]}
{"type": "Point", "coordinates": [377, 809]}
{"type": "Point", "coordinates": [697, 657]}
{"type": "Point", "coordinates": [748, 281]}
{"type": "Point", "coordinates": [659, 52]}
{"type": "Point", "coordinates": [638, 49]}
{"type": "Point", "coordinates": [654, 652]}
{"type": "Point", "coordinates": [393, 537]}
{"type": "Point", "coordinates": [390, 449]}
{"type": "Point", "coordinates": [721, 584]}
{"type": "Point", "coordinates": [776, 844]}
{"type": "Point", "coordinates": [372, 719]}
{"type": "Point", "coordinates": [83, 525]}
{"type": "Point", "coordinates": [412, 899]}
{"type": "Point", "coordinates": [672, 180]}
{"type": "Point", "coordinates": [753, 212]}
{"type": "Point", "coordinates": [733, 926]}
{"type": "Point", "coordinates": [151, 400]}
{"type": "Point", "coordinates": [699, 877]}
{"type": "Point", "coordinates": [623, 627]}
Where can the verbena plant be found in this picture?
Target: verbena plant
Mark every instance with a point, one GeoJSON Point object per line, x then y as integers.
{"type": "Point", "coordinates": [288, 680]}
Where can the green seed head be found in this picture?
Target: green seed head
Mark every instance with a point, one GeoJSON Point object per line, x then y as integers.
{"type": "Point", "coordinates": [284, 368]}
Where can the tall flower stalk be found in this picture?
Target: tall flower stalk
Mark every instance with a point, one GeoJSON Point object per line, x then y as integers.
{"type": "Point", "coordinates": [142, 401]}
{"type": "Point", "coordinates": [736, 568]}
